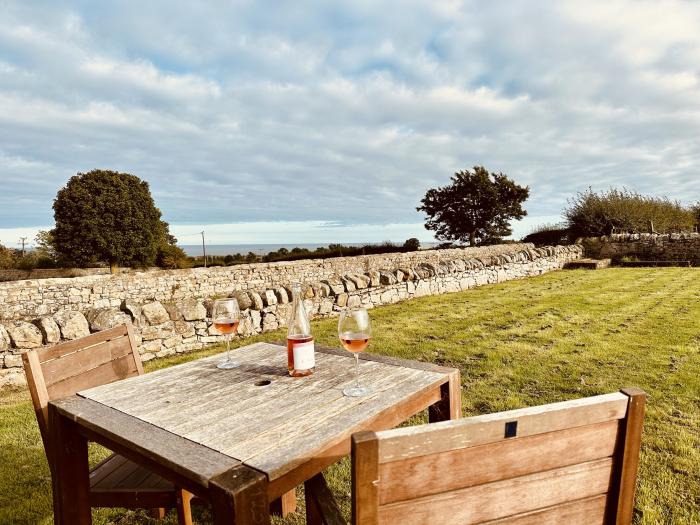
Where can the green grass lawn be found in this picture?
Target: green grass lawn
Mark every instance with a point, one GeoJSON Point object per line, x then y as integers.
{"type": "Point", "coordinates": [560, 336]}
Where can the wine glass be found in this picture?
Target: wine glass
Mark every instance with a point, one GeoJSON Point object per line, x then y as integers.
{"type": "Point", "coordinates": [354, 332]}
{"type": "Point", "coordinates": [226, 315]}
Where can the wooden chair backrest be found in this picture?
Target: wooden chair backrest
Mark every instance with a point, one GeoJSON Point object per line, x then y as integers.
{"type": "Point", "coordinates": [573, 462]}
{"type": "Point", "coordinates": [66, 368]}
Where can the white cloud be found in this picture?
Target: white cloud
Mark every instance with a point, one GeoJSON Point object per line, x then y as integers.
{"type": "Point", "coordinates": [299, 114]}
{"type": "Point", "coordinates": [144, 75]}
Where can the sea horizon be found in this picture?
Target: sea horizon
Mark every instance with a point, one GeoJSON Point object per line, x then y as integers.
{"type": "Point", "coordinates": [194, 250]}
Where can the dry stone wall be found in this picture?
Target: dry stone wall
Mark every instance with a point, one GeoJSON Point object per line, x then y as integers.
{"type": "Point", "coordinates": [646, 246]}
{"type": "Point", "coordinates": [47, 273]}
{"type": "Point", "coordinates": [169, 309]}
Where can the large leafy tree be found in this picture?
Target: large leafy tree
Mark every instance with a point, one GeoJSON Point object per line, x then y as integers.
{"type": "Point", "coordinates": [476, 207]}
{"type": "Point", "coordinates": [110, 217]}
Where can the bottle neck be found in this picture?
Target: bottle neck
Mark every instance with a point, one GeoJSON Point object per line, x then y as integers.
{"type": "Point", "coordinates": [298, 323]}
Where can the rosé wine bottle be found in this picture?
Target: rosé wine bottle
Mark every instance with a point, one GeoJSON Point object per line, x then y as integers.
{"type": "Point", "coordinates": [301, 358]}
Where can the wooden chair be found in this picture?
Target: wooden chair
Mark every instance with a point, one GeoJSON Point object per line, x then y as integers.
{"type": "Point", "coordinates": [573, 462]}
{"type": "Point", "coordinates": [100, 358]}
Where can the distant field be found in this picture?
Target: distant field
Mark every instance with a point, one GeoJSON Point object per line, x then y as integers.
{"type": "Point", "coordinates": [560, 336]}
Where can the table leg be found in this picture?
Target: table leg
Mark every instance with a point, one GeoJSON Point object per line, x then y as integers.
{"type": "Point", "coordinates": [70, 471]}
{"type": "Point", "coordinates": [285, 504]}
{"type": "Point", "coordinates": [450, 404]}
{"type": "Point", "coordinates": [239, 497]}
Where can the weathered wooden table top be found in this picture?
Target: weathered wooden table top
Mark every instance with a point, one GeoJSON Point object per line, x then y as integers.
{"type": "Point", "coordinates": [256, 413]}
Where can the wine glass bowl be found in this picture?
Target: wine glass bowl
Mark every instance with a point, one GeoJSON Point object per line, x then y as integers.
{"type": "Point", "coordinates": [226, 314]}
{"type": "Point", "coordinates": [355, 332]}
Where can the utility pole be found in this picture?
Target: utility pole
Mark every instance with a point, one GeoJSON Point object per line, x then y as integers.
{"type": "Point", "coordinates": [22, 241]}
{"type": "Point", "coordinates": [204, 250]}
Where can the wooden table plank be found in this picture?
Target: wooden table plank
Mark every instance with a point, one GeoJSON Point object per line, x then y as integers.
{"type": "Point", "coordinates": [272, 427]}
{"type": "Point", "coordinates": [146, 389]}
{"type": "Point", "coordinates": [193, 464]}
{"type": "Point", "coordinates": [298, 448]}
{"type": "Point", "coordinates": [324, 397]}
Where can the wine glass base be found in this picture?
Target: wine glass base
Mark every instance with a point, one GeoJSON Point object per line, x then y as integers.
{"type": "Point", "coordinates": [357, 391]}
{"type": "Point", "coordinates": [227, 365]}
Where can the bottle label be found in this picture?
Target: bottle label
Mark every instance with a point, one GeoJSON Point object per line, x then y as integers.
{"type": "Point", "coordinates": [304, 358]}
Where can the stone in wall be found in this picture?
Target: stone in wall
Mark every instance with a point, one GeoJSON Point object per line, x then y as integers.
{"type": "Point", "coordinates": [321, 290]}
{"type": "Point", "coordinates": [386, 278]}
{"type": "Point", "coordinates": [155, 313]}
{"type": "Point", "coordinates": [244, 300]}
{"type": "Point", "coordinates": [24, 335]}
{"type": "Point", "coordinates": [349, 284]}
{"type": "Point", "coordinates": [49, 329]}
{"type": "Point", "coordinates": [13, 361]}
{"type": "Point", "coordinates": [133, 309]}
{"type": "Point", "coordinates": [184, 328]}
{"type": "Point", "coordinates": [12, 378]}
{"type": "Point", "coordinates": [73, 324]}
{"type": "Point", "coordinates": [160, 331]}
{"type": "Point", "coordinates": [4, 339]}
{"type": "Point", "coordinates": [335, 285]}
{"type": "Point", "coordinates": [105, 318]}
{"type": "Point", "coordinates": [256, 320]}
{"type": "Point", "coordinates": [193, 310]}
{"type": "Point", "coordinates": [174, 311]}
{"type": "Point", "coordinates": [281, 294]}
{"type": "Point", "coordinates": [269, 298]}
{"type": "Point", "coordinates": [354, 300]}
{"type": "Point", "coordinates": [269, 321]}
{"type": "Point", "coordinates": [326, 306]}
{"type": "Point", "coordinates": [256, 301]}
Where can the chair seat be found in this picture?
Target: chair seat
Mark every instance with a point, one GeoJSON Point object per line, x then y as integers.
{"type": "Point", "coordinates": [119, 482]}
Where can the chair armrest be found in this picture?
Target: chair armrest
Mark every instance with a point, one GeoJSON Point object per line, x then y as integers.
{"type": "Point", "coordinates": [321, 507]}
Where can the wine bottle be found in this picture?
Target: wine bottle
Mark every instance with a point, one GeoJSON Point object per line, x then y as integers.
{"type": "Point", "coordinates": [301, 359]}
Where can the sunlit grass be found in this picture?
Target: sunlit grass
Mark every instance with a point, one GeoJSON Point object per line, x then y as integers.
{"type": "Point", "coordinates": [559, 336]}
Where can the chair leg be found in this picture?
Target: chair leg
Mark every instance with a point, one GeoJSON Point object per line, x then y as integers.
{"type": "Point", "coordinates": [285, 504]}
{"type": "Point", "coordinates": [313, 515]}
{"type": "Point", "coordinates": [184, 509]}
{"type": "Point", "coordinates": [158, 513]}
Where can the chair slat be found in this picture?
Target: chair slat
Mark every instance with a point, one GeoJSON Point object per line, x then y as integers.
{"type": "Point", "coordinates": [104, 468]}
{"type": "Point", "coordinates": [119, 470]}
{"type": "Point", "coordinates": [496, 500]}
{"type": "Point", "coordinates": [40, 396]}
{"type": "Point", "coordinates": [366, 468]}
{"type": "Point", "coordinates": [588, 511]}
{"type": "Point", "coordinates": [68, 347]}
{"type": "Point", "coordinates": [509, 458]}
{"type": "Point", "coordinates": [410, 442]}
{"type": "Point", "coordinates": [630, 455]}
{"type": "Point", "coordinates": [105, 373]}
{"type": "Point", "coordinates": [83, 361]}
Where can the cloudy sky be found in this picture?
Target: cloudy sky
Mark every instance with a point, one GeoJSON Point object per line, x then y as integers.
{"type": "Point", "coordinates": [325, 121]}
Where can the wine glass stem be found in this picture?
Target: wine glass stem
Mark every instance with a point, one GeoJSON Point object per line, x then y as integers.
{"type": "Point", "coordinates": [357, 371]}
{"type": "Point", "coordinates": [228, 347]}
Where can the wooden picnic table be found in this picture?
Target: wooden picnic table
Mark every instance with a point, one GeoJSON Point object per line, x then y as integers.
{"type": "Point", "coordinates": [244, 437]}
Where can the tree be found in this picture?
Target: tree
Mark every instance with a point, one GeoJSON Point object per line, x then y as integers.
{"type": "Point", "coordinates": [6, 258]}
{"type": "Point", "coordinates": [106, 216]}
{"type": "Point", "coordinates": [172, 256]}
{"type": "Point", "coordinates": [477, 206]}
{"type": "Point", "coordinates": [411, 245]}
{"type": "Point", "coordinates": [591, 214]}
